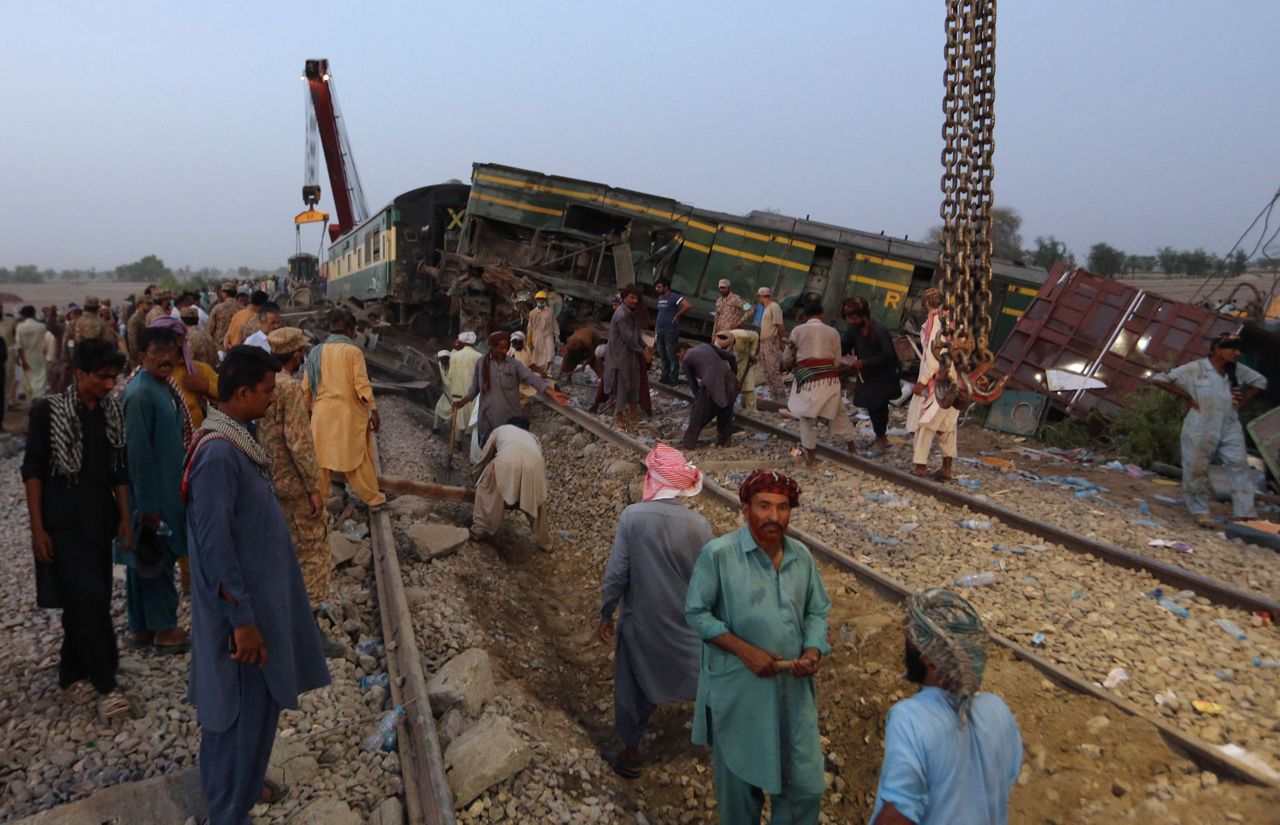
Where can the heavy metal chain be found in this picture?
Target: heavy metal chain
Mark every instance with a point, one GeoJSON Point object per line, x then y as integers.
{"type": "Point", "coordinates": [967, 172]}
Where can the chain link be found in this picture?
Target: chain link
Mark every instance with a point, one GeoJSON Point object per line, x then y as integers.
{"type": "Point", "coordinates": [968, 107]}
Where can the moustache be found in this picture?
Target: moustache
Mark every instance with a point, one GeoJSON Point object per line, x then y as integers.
{"type": "Point", "coordinates": [768, 524]}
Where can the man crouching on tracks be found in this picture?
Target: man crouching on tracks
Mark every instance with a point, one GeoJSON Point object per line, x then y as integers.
{"type": "Point", "coordinates": [951, 753]}
{"type": "Point", "coordinates": [248, 598]}
{"type": "Point", "coordinates": [758, 603]}
{"type": "Point", "coordinates": [654, 549]}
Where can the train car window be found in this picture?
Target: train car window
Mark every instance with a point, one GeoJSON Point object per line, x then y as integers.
{"type": "Point", "coordinates": [376, 239]}
{"type": "Point", "coordinates": [410, 235]}
{"type": "Point", "coordinates": [593, 221]}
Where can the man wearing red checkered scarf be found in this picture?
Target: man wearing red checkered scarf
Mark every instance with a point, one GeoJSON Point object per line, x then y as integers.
{"type": "Point", "coordinates": [653, 552]}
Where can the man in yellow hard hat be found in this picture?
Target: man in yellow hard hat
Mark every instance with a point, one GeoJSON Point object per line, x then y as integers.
{"type": "Point", "coordinates": [544, 332]}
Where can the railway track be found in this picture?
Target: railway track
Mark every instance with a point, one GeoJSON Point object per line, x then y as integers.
{"type": "Point", "coordinates": [1176, 577]}
{"type": "Point", "coordinates": [427, 797]}
{"type": "Point", "coordinates": [894, 591]}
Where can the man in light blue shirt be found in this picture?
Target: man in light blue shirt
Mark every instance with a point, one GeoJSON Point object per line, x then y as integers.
{"type": "Point", "coordinates": [951, 753]}
{"type": "Point", "coordinates": [757, 601]}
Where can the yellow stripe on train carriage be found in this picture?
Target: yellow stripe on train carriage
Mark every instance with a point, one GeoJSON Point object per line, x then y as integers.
{"type": "Point", "coordinates": [872, 259]}
{"type": "Point", "coordinates": [527, 207]}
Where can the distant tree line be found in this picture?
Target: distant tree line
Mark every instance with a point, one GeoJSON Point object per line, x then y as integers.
{"type": "Point", "coordinates": [1104, 259]}
{"type": "Point", "coordinates": [148, 269]}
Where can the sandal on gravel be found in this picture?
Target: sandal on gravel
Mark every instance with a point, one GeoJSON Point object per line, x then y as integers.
{"type": "Point", "coordinates": [113, 706]}
{"type": "Point", "coordinates": [621, 765]}
{"type": "Point", "coordinates": [81, 692]}
{"type": "Point", "coordinates": [1206, 522]}
{"type": "Point", "coordinates": [272, 792]}
{"type": "Point", "coordinates": [172, 650]}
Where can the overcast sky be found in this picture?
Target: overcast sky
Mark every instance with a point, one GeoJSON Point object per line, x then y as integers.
{"type": "Point", "coordinates": [176, 128]}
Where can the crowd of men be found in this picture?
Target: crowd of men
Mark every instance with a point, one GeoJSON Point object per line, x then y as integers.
{"type": "Point", "coordinates": [738, 624]}
{"type": "Point", "coordinates": [203, 479]}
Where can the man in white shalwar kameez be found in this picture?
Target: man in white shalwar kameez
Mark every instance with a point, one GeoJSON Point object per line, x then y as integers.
{"type": "Point", "coordinates": [816, 393]}
{"type": "Point", "coordinates": [513, 474]}
{"type": "Point", "coordinates": [657, 655]}
{"type": "Point", "coordinates": [925, 417]}
{"type": "Point", "coordinates": [457, 380]}
{"type": "Point", "coordinates": [544, 333]}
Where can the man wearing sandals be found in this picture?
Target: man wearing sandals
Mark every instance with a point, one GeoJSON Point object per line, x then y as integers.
{"type": "Point", "coordinates": [76, 478]}
{"type": "Point", "coordinates": [926, 417]}
{"type": "Point", "coordinates": [256, 645]}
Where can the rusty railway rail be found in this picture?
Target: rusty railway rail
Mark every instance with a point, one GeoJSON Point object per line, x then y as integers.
{"type": "Point", "coordinates": [1169, 574]}
{"type": "Point", "coordinates": [426, 790]}
{"type": "Point", "coordinates": [895, 592]}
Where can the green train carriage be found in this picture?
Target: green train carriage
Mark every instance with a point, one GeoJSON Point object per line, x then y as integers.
{"type": "Point", "coordinates": [586, 239]}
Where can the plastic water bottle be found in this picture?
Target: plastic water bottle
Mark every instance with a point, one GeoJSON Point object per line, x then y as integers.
{"type": "Point", "coordinates": [977, 580]}
{"type": "Point", "coordinates": [880, 496]}
{"type": "Point", "coordinates": [1143, 507]}
{"type": "Point", "coordinates": [885, 540]}
{"type": "Point", "coordinates": [384, 738]}
{"type": "Point", "coordinates": [975, 524]}
{"type": "Point", "coordinates": [1086, 495]}
{"type": "Point", "coordinates": [374, 680]}
{"type": "Point", "coordinates": [969, 483]}
{"type": "Point", "coordinates": [1231, 629]}
{"type": "Point", "coordinates": [1169, 604]}
{"type": "Point", "coordinates": [1000, 548]}
{"type": "Point", "coordinates": [1274, 664]}
{"type": "Point", "coordinates": [371, 647]}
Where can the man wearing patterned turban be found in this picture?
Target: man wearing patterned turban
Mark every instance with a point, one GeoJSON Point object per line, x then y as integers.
{"type": "Point", "coordinates": [951, 752]}
{"type": "Point", "coordinates": [656, 656]}
{"type": "Point", "coordinates": [757, 601]}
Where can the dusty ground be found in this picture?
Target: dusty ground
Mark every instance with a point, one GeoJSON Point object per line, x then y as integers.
{"type": "Point", "coordinates": [535, 613]}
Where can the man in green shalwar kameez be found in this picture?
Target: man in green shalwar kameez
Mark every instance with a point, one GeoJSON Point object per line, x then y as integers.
{"type": "Point", "coordinates": [758, 603]}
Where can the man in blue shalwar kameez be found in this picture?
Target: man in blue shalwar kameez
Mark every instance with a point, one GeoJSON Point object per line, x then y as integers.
{"type": "Point", "coordinates": [951, 752]}
{"type": "Point", "coordinates": [157, 431]}
{"type": "Point", "coordinates": [255, 645]}
{"type": "Point", "coordinates": [758, 603]}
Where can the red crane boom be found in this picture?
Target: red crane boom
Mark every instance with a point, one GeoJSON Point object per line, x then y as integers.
{"type": "Point", "coordinates": [325, 119]}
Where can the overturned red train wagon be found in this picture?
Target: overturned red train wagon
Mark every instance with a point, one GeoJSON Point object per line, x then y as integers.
{"type": "Point", "coordinates": [1101, 328]}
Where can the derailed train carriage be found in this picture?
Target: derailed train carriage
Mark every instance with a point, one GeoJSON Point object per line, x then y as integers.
{"type": "Point", "coordinates": [441, 251]}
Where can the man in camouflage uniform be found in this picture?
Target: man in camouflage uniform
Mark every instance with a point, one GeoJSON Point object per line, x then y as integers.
{"type": "Point", "coordinates": [134, 326]}
{"type": "Point", "coordinates": [220, 315]}
{"type": "Point", "coordinates": [91, 325]}
{"type": "Point", "coordinates": [199, 344]}
{"type": "Point", "coordinates": [164, 302]}
{"type": "Point", "coordinates": [286, 433]}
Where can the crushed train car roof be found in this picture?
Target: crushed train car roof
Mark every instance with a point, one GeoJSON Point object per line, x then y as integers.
{"type": "Point", "coordinates": [1105, 329]}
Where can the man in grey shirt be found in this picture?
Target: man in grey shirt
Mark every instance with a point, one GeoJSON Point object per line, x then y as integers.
{"type": "Point", "coordinates": [657, 654]}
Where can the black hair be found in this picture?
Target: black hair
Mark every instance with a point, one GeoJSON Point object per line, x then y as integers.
{"type": "Point", "coordinates": [258, 298]}
{"type": "Point", "coordinates": [155, 335]}
{"type": "Point", "coordinates": [630, 289]}
{"type": "Point", "coordinates": [664, 281]}
{"type": "Point", "coordinates": [519, 421]}
{"type": "Point", "coordinates": [191, 319]}
{"type": "Point", "coordinates": [93, 354]}
{"type": "Point", "coordinates": [812, 308]}
{"type": "Point", "coordinates": [914, 664]}
{"type": "Point", "coordinates": [340, 318]}
{"type": "Point", "coordinates": [269, 307]}
{"type": "Point", "coordinates": [27, 311]}
{"type": "Point", "coordinates": [244, 366]}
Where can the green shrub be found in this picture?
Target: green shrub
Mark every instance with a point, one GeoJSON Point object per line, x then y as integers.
{"type": "Point", "coordinates": [1066, 434]}
{"type": "Point", "coordinates": [1149, 428]}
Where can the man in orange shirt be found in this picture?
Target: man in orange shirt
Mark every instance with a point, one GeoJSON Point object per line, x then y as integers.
{"type": "Point", "coordinates": [239, 328]}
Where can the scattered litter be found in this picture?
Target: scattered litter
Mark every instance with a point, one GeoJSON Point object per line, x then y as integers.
{"type": "Point", "coordinates": [846, 635]}
{"type": "Point", "coordinates": [1231, 629]}
{"type": "Point", "coordinates": [1273, 664]}
{"type": "Point", "coordinates": [762, 436]}
{"type": "Point", "coordinates": [977, 579]}
{"type": "Point", "coordinates": [1032, 580]}
{"type": "Point", "coordinates": [1143, 507]}
{"type": "Point", "coordinates": [1254, 761]}
{"type": "Point", "coordinates": [369, 647]}
{"type": "Point", "coordinates": [1087, 494]}
{"type": "Point", "coordinates": [879, 496]}
{"type": "Point", "coordinates": [796, 452]}
{"type": "Point", "coordinates": [1176, 502]}
{"type": "Point", "coordinates": [910, 526]}
{"type": "Point", "coordinates": [885, 540]}
{"type": "Point", "coordinates": [1224, 674]}
{"type": "Point", "coordinates": [862, 558]}
{"type": "Point", "coordinates": [384, 737]}
{"type": "Point", "coordinates": [1017, 551]}
{"type": "Point", "coordinates": [1169, 604]}
{"type": "Point", "coordinates": [1145, 522]}
{"type": "Point", "coordinates": [999, 463]}
{"type": "Point", "coordinates": [374, 680]}
{"type": "Point", "coordinates": [565, 534]}
{"type": "Point", "coordinates": [1164, 697]}
{"type": "Point", "coordinates": [1180, 546]}
{"type": "Point", "coordinates": [1077, 595]}
{"type": "Point", "coordinates": [354, 531]}
{"type": "Point", "coordinates": [1037, 640]}
{"type": "Point", "coordinates": [969, 483]}
{"type": "Point", "coordinates": [1115, 677]}
{"type": "Point", "coordinates": [1206, 707]}
{"type": "Point", "coordinates": [975, 524]}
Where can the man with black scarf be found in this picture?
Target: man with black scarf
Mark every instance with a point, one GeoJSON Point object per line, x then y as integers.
{"type": "Point", "coordinates": [76, 479]}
